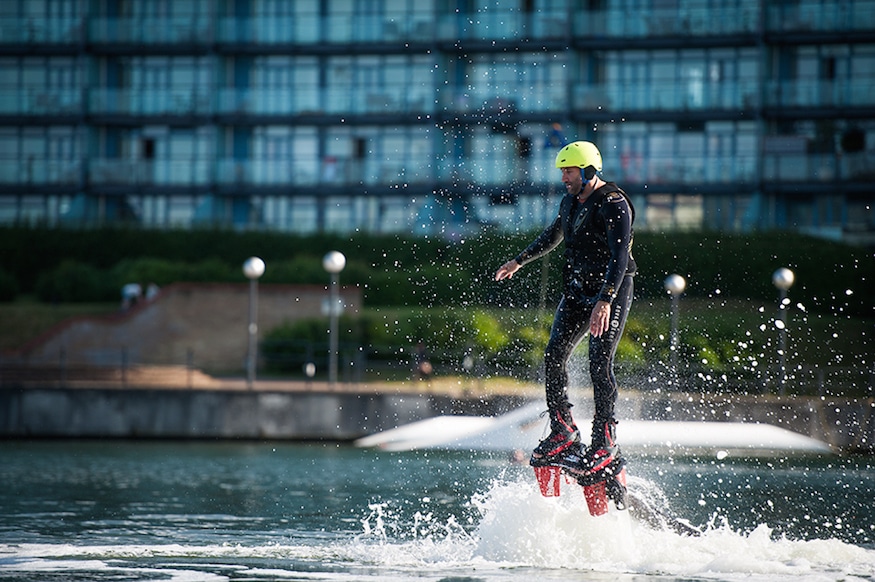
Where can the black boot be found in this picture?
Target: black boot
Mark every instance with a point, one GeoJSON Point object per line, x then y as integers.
{"type": "Point", "coordinates": [603, 450]}
{"type": "Point", "coordinates": [563, 433]}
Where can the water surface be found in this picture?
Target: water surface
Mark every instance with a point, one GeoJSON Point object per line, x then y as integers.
{"type": "Point", "coordinates": [121, 510]}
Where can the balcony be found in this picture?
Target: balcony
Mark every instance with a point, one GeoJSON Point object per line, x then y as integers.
{"type": "Point", "coordinates": [150, 31]}
{"type": "Point", "coordinates": [679, 96]}
{"type": "Point", "coordinates": [185, 101]}
{"type": "Point", "coordinates": [34, 171]}
{"type": "Point", "coordinates": [667, 168]}
{"type": "Point", "coordinates": [665, 97]}
{"type": "Point", "coordinates": [35, 31]}
{"type": "Point", "coordinates": [816, 16]}
{"type": "Point", "coordinates": [682, 21]}
{"type": "Point", "coordinates": [167, 172]}
{"type": "Point", "coordinates": [301, 171]}
{"type": "Point", "coordinates": [267, 31]}
{"type": "Point", "coordinates": [42, 101]}
{"type": "Point", "coordinates": [857, 92]}
{"type": "Point", "coordinates": [311, 29]}
{"type": "Point", "coordinates": [387, 99]}
{"type": "Point", "coordinates": [823, 168]}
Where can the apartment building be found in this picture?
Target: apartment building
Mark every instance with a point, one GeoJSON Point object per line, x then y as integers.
{"type": "Point", "coordinates": [435, 116]}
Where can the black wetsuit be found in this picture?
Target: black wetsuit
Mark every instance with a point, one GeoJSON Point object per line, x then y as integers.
{"type": "Point", "coordinates": [598, 267]}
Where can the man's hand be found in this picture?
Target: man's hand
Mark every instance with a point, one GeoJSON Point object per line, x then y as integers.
{"type": "Point", "coordinates": [600, 318]}
{"type": "Point", "coordinates": [507, 270]}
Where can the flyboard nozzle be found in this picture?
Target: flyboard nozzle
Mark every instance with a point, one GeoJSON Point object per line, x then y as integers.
{"type": "Point", "coordinates": [598, 494]}
{"type": "Point", "coordinates": [598, 488]}
{"type": "Point", "coordinates": [548, 480]}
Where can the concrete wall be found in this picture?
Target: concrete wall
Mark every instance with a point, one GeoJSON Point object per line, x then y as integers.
{"type": "Point", "coordinates": [207, 414]}
{"type": "Point", "coordinates": [210, 320]}
{"type": "Point", "coordinates": [847, 425]}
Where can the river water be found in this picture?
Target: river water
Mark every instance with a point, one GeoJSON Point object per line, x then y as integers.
{"type": "Point", "coordinates": [122, 510]}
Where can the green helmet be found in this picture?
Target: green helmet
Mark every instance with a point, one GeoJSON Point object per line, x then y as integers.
{"type": "Point", "coordinates": [581, 154]}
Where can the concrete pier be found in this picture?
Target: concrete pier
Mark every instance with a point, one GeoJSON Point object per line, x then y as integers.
{"type": "Point", "coordinates": [300, 411]}
{"type": "Point", "coordinates": [285, 413]}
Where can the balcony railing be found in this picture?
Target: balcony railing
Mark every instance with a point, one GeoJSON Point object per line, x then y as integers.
{"type": "Point", "coordinates": [146, 31]}
{"type": "Point", "coordinates": [302, 100]}
{"type": "Point", "coordinates": [29, 31]}
{"type": "Point", "coordinates": [307, 28]}
{"type": "Point", "coordinates": [33, 171]}
{"type": "Point", "coordinates": [43, 101]}
{"type": "Point", "coordinates": [788, 167]}
{"type": "Point", "coordinates": [681, 21]}
{"type": "Point", "coordinates": [818, 16]}
{"type": "Point", "coordinates": [308, 171]}
{"type": "Point", "coordinates": [176, 172]}
{"type": "Point", "coordinates": [397, 99]}
{"type": "Point", "coordinates": [185, 101]}
{"type": "Point", "coordinates": [856, 92]}
{"type": "Point", "coordinates": [679, 96]}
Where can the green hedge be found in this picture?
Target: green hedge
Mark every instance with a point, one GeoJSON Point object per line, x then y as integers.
{"type": "Point", "coordinates": [493, 338]}
{"type": "Point", "coordinates": [723, 346]}
{"type": "Point", "coordinates": [394, 270]}
{"type": "Point", "coordinates": [8, 285]}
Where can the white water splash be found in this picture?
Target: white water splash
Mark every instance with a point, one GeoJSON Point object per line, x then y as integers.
{"type": "Point", "coordinates": [512, 533]}
{"type": "Point", "coordinates": [520, 529]}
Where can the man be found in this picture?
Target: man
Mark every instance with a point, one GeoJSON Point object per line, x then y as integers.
{"type": "Point", "coordinates": [595, 221]}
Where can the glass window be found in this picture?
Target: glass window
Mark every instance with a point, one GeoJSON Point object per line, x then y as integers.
{"type": "Point", "coordinates": [420, 91]}
{"type": "Point", "coordinates": [339, 25]}
{"type": "Point", "coordinates": [305, 155]}
{"type": "Point", "coordinates": [663, 90]}
{"type": "Point", "coordinates": [176, 85]}
{"type": "Point", "coordinates": [525, 82]}
{"type": "Point", "coordinates": [271, 90]}
{"type": "Point", "coordinates": [377, 155]}
{"type": "Point", "coordinates": [272, 21]}
{"type": "Point", "coordinates": [671, 80]}
{"type": "Point", "coordinates": [491, 157]}
{"type": "Point", "coordinates": [305, 85]}
{"type": "Point", "coordinates": [9, 156]}
{"type": "Point", "coordinates": [306, 21]}
{"type": "Point", "coordinates": [272, 155]}
{"type": "Point", "coordinates": [40, 155]}
{"type": "Point", "coordinates": [379, 84]}
{"type": "Point", "coordinates": [498, 20]}
{"type": "Point", "coordinates": [9, 74]}
{"type": "Point", "coordinates": [863, 61]}
{"type": "Point", "coordinates": [541, 83]}
{"type": "Point", "coordinates": [284, 84]}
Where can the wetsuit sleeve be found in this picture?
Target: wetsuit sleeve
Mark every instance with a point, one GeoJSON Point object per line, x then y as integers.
{"type": "Point", "coordinates": [618, 226]}
{"type": "Point", "coordinates": [546, 242]}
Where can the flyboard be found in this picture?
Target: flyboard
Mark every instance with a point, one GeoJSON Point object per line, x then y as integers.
{"type": "Point", "coordinates": [602, 484]}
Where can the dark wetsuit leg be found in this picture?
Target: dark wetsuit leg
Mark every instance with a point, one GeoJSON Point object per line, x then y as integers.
{"type": "Point", "coordinates": [601, 355]}
{"type": "Point", "coordinates": [570, 324]}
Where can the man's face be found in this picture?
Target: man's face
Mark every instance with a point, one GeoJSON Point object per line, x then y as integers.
{"type": "Point", "coordinates": [572, 179]}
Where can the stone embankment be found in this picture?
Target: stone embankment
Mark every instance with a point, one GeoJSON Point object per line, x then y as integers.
{"type": "Point", "coordinates": [344, 412]}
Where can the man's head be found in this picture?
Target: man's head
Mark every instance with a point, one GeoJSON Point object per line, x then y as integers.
{"type": "Point", "coordinates": [583, 155]}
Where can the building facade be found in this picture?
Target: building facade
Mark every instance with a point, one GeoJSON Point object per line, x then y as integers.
{"type": "Point", "coordinates": [435, 116]}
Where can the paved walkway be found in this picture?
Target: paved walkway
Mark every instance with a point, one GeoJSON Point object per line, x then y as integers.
{"type": "Point", "coordinates": [182, 378]}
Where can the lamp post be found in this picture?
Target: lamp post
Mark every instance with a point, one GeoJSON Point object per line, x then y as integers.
{"type": "Point", "coordinates": [783, 279]}
{"type": "Point", "coordinates": [675, 285]}
{"type": "Point", "coordinates": [333, 262]}
{"type": "Point", "coordinates": [253, 268]}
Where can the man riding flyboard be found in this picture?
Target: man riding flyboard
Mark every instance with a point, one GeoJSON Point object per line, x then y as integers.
{"type": "Point", "coordinates": [595, 222]}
